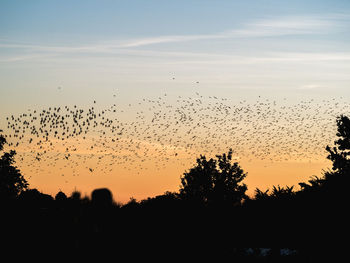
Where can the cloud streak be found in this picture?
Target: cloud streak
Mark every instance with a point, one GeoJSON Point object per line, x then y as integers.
{"type": "Point", "coordinates": [261, 28]}
{"type": "Point", "coordinates": [272, 27]}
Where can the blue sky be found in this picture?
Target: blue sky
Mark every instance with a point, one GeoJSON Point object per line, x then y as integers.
{"type": "Point", "coordinates": [238, 47]}
{"type": "Point", "coordinates": [61, 20]}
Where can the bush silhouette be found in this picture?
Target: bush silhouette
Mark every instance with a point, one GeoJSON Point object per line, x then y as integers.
{"type": "Point", "coordinates": [33, 198]}
{"type": "Point", "coordinates": [102, 197]}
{"type": "Point", "coordinates": [60, 196]}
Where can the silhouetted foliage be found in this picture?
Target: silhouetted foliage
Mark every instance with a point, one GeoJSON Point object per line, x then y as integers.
{"type": "Point", "coordinates": [339, 154]}
{"type": "Point", "coordinates": [60, 196]}
{"type": "Point", "coordinates": [132, 204]}
{"type": "Point", "coordinates": [278, 192]}
{"type": "Point", "coordinates": [169, 201]}
{"type": "Point", "coordinates": [261, 195]}
{"type": "Point", "coordinates": [282, 192]}
{"type": "Point", "coordinates": [76, 195]}
{"type": "Point", "coordinates": [2, 141]}
{"type": "Point", "coordinates": [331, 189]}
{"type": "Point", "coordinates": [314, 183]}
{"type": "Point", "coordinates": [33, 197]}
{"type": "Point", "coordinates": [12, 183]}
{"type": "Point", "coordinates": [214, 181]}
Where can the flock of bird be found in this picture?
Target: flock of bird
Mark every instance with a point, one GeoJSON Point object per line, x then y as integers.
{"type": "Point", "coordinates": [152, 133]}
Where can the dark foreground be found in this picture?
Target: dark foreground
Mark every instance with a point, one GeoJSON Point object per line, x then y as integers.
{"type": "Point", "coordinates": [314, 229]}
{"type": "Point", "coordinates": [210, 218]}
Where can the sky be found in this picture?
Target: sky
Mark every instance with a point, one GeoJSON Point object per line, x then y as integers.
{"type": "Point", "coordinates": [75, 52]}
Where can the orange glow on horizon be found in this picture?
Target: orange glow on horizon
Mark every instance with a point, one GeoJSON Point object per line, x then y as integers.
{"type": "Point", "coordinates": [143, 151]}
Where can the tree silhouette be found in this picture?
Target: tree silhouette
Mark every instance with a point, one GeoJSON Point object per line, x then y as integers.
{"type": "Point", "coordinates": [12, 183]}
{"type": "Point", "coordinates": [335, 182]}
{"type": "Point", "coordinates": [339, 154]}
{"type": "Point", "coordinates": [332, 186]}
{"type": "Point", "coordinates": [214, 181]}
{"type": "Point", "coordinates": [2, 141]}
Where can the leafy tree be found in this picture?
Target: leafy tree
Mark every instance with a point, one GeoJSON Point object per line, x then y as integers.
{"type": "Point", "coordinates": [340, 153]}
{"type": "Point", "coordinates": [332, 187]}
{"type": "Point", "coordinates": [214, 181]}
{"type": "Point", "coordinates": [2, 141]}
{"type": "Point", "coordinates": [12, 183]}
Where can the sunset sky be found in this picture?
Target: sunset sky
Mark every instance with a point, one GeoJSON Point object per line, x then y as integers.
{"type": "Point", "coordinates": [287, 54]}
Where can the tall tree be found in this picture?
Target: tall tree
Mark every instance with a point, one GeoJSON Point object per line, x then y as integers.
{"type": "Point", "coordinates": [12, 182]}
{"type": "Point", "coordinates": [340, 153]}
{"type": "Point", "coordinates": [214, 181]}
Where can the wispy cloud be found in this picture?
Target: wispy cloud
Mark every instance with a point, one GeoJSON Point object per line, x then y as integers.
{"type": "Point", "coordinates": [261, 28]}
{"type": "Point", "coordinates": [23, 57]}
{"type": "Point", "coordinates": [311, 87]}
{"type": "Point", "coordinates": [168, 39]}
{"type": "Point", "coordinates": [273, 27]}
{"type": "Point", "coordinates": [269, 27]}
{"type": "Point", "coordinates": [270, 58]}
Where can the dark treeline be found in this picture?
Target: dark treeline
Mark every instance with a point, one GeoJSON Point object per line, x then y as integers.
{"type": "Point", "coordinates": [210, 215]}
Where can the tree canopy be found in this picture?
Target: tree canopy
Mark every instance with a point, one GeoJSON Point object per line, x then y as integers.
{"type": "Point", "coordinates": [214, 181]}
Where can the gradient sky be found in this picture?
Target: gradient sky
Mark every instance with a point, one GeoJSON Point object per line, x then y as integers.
{"type": "Point", "coordinates": [235, 49]}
